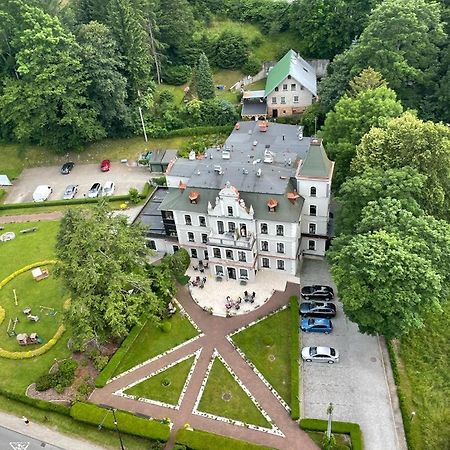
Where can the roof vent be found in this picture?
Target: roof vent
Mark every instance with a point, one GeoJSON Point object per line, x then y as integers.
{"type": "Point", "coordinates": [258, 172]}
{"type": "Point", "coordinates": [268, 156]}
{"type": "Point", "coordinates": [181, 186]}
{"type": "Point", "coordinates": [226, 154]}
{"type": "Point", "coordinates": [272, 205]}
{"type": "Point", "coordinates": [218, 169]}
{"type": "Point", "coordinates": [300, 133]}
{"type": "Point", "coordinates": [245, 171]}
{"type": "Point", "coordinates": [194, 197]}
{"type": "Point", "coordinates": [192, 155]}
{"type": "Point", "coordinates": [255, 143]}
{"type": "Point", "coordinates": [292, 196]}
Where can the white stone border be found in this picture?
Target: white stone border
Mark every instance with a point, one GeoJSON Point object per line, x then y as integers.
{"type": "Point", "coordinates": [250, 363]}
{"type": "Point", "coordinates": [121, 392]}
{"type": "Point", "coordinates": [274, 430]}
{"type": "Point", "coordinates": [155, 358]}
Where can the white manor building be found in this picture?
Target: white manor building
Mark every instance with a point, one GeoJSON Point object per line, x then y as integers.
{"type": "Point", "coordinates": [260, 202]}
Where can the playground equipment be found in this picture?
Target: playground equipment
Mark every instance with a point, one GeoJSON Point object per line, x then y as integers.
{"type": "Point", "coordinates": [11, 331]}
{"type": "Point", "coordinates": [29, 230]}
{"type": "Point", "coordinates": [48, 311]}
{"type": "Point", "coordinates": [39, 274]}
{"type": "Point", "coordinates": [25, 339]}
{"type": "Point", "coordinates": [8, 236]}
{"type": "Point", "coordinates": [15, 297]}
{"type": "Point", "coordinates": [32, 318]}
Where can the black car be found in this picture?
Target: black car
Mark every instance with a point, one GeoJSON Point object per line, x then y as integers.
{"type": "Point", "coordinates": [67, 168]}
{"type": "Point", "coordinates": [317, 291]}
{"type": "Point", "coordinates": [318, 309]}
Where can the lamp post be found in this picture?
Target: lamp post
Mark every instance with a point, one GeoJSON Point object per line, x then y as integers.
{"type": "Point", "coordinates": [330, 417]}
{"type": "Point", "coordinates": [117, 429]}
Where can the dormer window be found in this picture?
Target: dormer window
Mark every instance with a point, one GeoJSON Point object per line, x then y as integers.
{"type": "Point", "coordinates": [193, 197]}
{"type": "Point", "coordinates": [312, 191]}
{"type": "Point", "coordinates": [230, 211]}
{"type": "Point", "coordinates": [272, 205]}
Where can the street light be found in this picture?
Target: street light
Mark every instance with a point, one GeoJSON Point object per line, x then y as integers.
{"type": "Point", "coordinates": [330, 417]}
{"type": "Point", "coordinates": [117, 429]}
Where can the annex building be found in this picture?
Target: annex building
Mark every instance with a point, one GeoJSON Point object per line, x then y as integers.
{"type": "Point", "coordinates": [260, 202]}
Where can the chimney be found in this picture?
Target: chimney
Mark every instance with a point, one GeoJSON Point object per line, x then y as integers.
{"type": "Point", "coordinates": [194, 196]}
{"type": "Point", "coordinates": [272, 205]}
{"type": "Point", "coordinates": [293, 196]}
{"type": "Point", "coordinates": [181, 186]}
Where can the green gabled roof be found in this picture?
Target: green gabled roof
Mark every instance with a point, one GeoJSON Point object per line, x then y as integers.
{"type": "Point", "coordinates": [292, 64]}
{"type": "Point", "coordinates": [316, 163]}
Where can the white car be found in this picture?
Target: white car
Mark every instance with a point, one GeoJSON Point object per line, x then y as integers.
{"type": "Point", "coordinates": [320, 354]}
{"type": "Point", "coordinates": [108, 189]}
{"type": "Point", "coordinates": [42, 193]}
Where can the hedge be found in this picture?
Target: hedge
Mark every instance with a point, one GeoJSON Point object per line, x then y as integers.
{"type": "Point", "coordinates": [126, 422]}
{"type": "Point", "coordinates": [6, 280]}
{"type": "Point", "coordinates": [295, 351]}
{"type": "Point", "coordinates": [353, 429]}
{"type": "Point", "coordinates": [195, 131]}
{"type": "Point", "coordinates": [41, 404]}
{"type": "Point", "coordinates": [202, 440]}
{"type": "Point", "coordinates": [2, 315]}
{"type": "Point", "coordinates": [114, 362]}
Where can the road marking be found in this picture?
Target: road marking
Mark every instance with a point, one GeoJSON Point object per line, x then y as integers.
{"type": "Point", "coordinates": [19, 445]}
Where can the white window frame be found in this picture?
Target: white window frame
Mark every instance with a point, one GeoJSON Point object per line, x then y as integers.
{"type": "Point", "coordinates": [283, 100]}
{"type": "Point", "coordinates": [280, 247]}
{"type": "Point", "coordinates": [219, 271]}
{"type": "Point", "coordinates": [280, 227]}
{"type": "Point", "coordinates": [280, 262]}
{"type": "Point", "coordinates": [201, 222]}
{"type": "Point", "coordinates": [274, 100]}
{"type": "Point", "coordinates": [312, 224]}
{"type": "Point", "coordinates": [262, 246]}
{"type": "Point", "coordinates": [296, 100]}
{"type": "Point", "coordinates": [204, 238]}
{"type": "Point", "coordinates": [188, 219]}
{"type": "Point", "coordinates": [262, 226]}
{"type": "Point", "coordinates": [242, 257]}
{"type": "Point", "coordinates": [268, 263]}
{"type": "Point", "coordinates": [194, 250]}
{"type": "Point", "coordinates": [214, 253]}
{"type": "Point", "coordinates": [227, 257]}
{"type": "Point", "coordinates": [314, 246]}
{"type": "Point", "coordinates": [243, 274]}
{"type": "Point", "coordinates": [189, 235]}
{"type": "Point", "coordinates": [315, 210]}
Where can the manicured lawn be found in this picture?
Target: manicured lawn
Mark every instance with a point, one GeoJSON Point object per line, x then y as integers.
{"type": "Point", "coordinates": [424, 369]}
{"type": "Point", "coordinates": [155, 389]}
{"type": "Point", "coordinates": [259, 85]}
{"type": "Point", "coordinates": [238, 407]}
{"type": "Point", "coordinates": [152, 341]}
{"type": "Point", "coordinates": [342, 441]}
{"type": "Point", "coordinates": [272, 361]}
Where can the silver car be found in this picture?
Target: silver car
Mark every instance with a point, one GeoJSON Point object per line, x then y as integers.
{"type": "Point", "coordinates": [70, 192]}
{"type": "Point", "coordinates": [108, 189]}
{"type": "Point", "coordinates": [320, 354]}
{"type": "Point", "coordinates": [94, 191]}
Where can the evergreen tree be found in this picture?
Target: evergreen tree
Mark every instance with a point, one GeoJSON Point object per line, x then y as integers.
{"type": "Point", "coordinates": [203, 80]}
{"type": "Point", "coordinates": [86, 11]}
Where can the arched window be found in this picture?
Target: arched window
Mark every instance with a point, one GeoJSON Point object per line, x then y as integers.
{"type": "Point", "coordinates": [312, 191]}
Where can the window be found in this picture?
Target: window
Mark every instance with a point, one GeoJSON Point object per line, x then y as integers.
{"type": "Point", "coordinates": [219, 270]}
{"type": "Point", "coordinates": [264, 246]}
{"type": "Point", "coordinates": [284, 87]}
{"type": "Point", "coordinates": [293, 87]}
{"type": "Point", "coordinates": [243, 229]}
{"type": "Point", "coordinates": [276, 89]}
{"type": "Point", "coordinates": [229, 254]}
{"type": "Point", "coordinates": [266, 263]}
{"type": "Point", "coordinates": [312, 210]}
{"type": "Point", "coordinates": [312, 228]}
{"type": "Point", "coordinates": [202, 221]}
{"type": "Point", "coordinates": [301, 87]}
{"type": "Point", "coordinates": [230, 211]}
{"type": "Point", "coordinates": [312, 191]}
{"type": "Point", "coordinates": [243, 274]}
{"type": "Point", "coordinates": [231, 227]}
{"type": "Point", "coordinates": [220, 228]}
{"type": "Point", "coordinates": [274, 100]}
{"type": "Point", "coordinates": [205, 252]}
{"type": "Point", "coordinates": [311, 245]}
{"type": "Point", "coordinates": [242, 257]}
{"type": "Point", "coordinates": [280, 230]}
{"type": "Point", "coordinates": [295, 98]}
{"type": "Point", "coordinates": [264, 228]}
{"type": "Point", "coordinates": [151, 244]}
{"type": "Point", "coordinates": [280, 247]}
{"type": "Point", "coordinates": [187, 220]}
{"type": "Point", "coordinates": [280, 264]}
{"type": "Point", "coordinates": [204, 238]}
{"type": "Point", "coordinates": [194, 253]}
{"type": "Point", "coordinates": [216, 253]}
{"type": "Point", "coordinates": [283, 100]}
{"type": "Point", "coordinates": [191, 237]}
{"type": "Point", "coordinates": [175, 248]}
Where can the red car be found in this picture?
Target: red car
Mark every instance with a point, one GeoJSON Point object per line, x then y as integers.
{"type": "Point", "coordinates": [105, 165]}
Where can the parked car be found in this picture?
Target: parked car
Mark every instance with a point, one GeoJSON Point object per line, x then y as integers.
{"type": "Point", "coordinates": [314, 325]}
{"type": "Point", "coordinates": [105, 166]}
{"type": "Point", "coordinates": [70, 192]}
{"type": "Point", "coordinates": [317, 291]}
{"type": "Point", "coordinates": [94, 191]}
{"type": "Point", "coordinates": [108, 189]}
{"type": "Point", "coordinates": [318, 309]}
{"type": "Point", "coordinates": [42, 193]}
{"type": "Point", "coordinates": [67, 167]}
{"type": "Point", "coordinates": [320, 354]}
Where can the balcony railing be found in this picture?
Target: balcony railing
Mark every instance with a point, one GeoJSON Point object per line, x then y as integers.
{"type": "Point", "coordinates": [231, 240]}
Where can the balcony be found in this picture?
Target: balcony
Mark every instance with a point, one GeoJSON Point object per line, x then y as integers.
{"type": "Point", "coordinates": [231, 240]}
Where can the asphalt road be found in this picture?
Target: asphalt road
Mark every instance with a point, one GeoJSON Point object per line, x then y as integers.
{"type": "Point", "coordinates": [10, 440]}
{"type": "Point", "coordinates": [82, 175]}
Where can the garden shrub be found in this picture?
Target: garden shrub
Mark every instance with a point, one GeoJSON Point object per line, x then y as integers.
{"type": "Point", "coordinates": [160, 181]}
{"type": "Point", "coordinates": [176, 75]}
{"type": "Point", "coordinates": [2, 193]}
{"type": "Point", "coordinates": [44, 382]}
{"type": "Point", "coordinates": [134, 196]}
{"type": "Point", "coordinates": [202, 440]}
{"type": "Point", "coordinates": [126, 422]}
{"type": "Point", "coordinates": [100, 362]}
{"type": "Point", "coordinates": [295, 351]}
{"type": "Point", "coordinates": [60, 379]}
{"type": "Point", "coordinates": [166, 327]}
{"type": "Point", "coordinates": [179, 261]}
{"type": "Point", "coordinates": [268, 340]}
{"type": "Point", "coordinates": [201, 130]}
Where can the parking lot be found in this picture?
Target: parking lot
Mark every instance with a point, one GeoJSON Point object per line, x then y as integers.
{"type": "Point", "coordinates": [358, 385]}
{"type": "Point", "coordinates": [83, 175]}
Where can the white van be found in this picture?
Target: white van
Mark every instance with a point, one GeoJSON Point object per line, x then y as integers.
{"type": "Point", "coordinates": [42, 193]}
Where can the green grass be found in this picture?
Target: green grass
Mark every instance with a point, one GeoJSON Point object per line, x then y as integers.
{"type": "Point", "coordinates": [424, 369]}
{"type": "Point", "coordinates": [154, 389]}
{"type": "Point", "coordinates": [239, 407]}
{"type": "Point", "coordinates": [65, 424]}
{"type": "Point", "coordinates": [342, 441]}
{"type": "Point", "coordinates": [251, 342]}
{"type": "Point", "coordinates": [177, 91]}
{"type": "Point", "coordinates": [247, 30]}
{"type": "Point", "coordinates": [259, 85]}
{"type": "Point", "coordinates": [152, 341]}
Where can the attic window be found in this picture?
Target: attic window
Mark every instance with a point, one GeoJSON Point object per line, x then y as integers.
{"type": "Point", "coordinates": [289, 77]}
{"type": "Point", "coordinates": [193, 197]}
{"type": "Point", "coordinates": [292, 196]}
{"type": "Point", "coordinates": [306, 70]}
{"type": "Point", "coordinates": [272, 205]}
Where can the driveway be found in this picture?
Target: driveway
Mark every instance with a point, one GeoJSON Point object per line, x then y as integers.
{"type": "Point", "coordinates": [360, 386]}
{"type": "Point", "coordinates": [83, 175]}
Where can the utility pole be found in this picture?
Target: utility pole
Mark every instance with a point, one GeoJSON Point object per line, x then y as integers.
{"type": "Point", "coordinates": [142, 118]}
{"type": "Point", "coordinates": [155, 55]}
{"type": "Point", "coordinates": [117, 429]}
{"type": "Point", "coordinates": [330, 418]}
{"type": "Point", "coordinates": [315, 126]}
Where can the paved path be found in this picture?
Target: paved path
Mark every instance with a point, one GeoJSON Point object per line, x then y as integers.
{"type": "Point", "coordinates": [55, 215]}
{"type": "Point", "coordinates": [13, 429]}
{"type": "Point", "coordinates": [215, 329]}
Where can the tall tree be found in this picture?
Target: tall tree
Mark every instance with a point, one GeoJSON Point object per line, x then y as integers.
{"type": "Point", "coordinates": [86, 11]}
{"type": "Point", "coordinates": [102, 262]}
{"type": "Point", "coordinates": [102, 64]}
{"type": "Point", "coordinates": [44, 99]}
{"type": "Point", "coordinates": [409, 141]}
{"type": "Point", "coordinates": [203, 79]}
{"type": "Point", "coordinates": [354, 115]}
{"type": "Point", "coordinates": [230, 50]}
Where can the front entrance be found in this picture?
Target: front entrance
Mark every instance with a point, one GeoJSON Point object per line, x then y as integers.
{"type": "Point", "coordinates": [274, 113]}
{"type": "Point", "coordinates": [231, 273]}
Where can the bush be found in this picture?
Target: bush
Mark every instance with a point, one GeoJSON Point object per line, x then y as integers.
{"type": "Point", "coordinates": [44, 382]}
{"type": "Point", "coordinates": [202, 440]}
{"type": "Point", "coordinates": [176, 75]}
{"type": "Point", "coordinates": [116, 359]}
{"type": "Point", "coordinates": [197, 131]}
{"type": "Point", "coordinates": [230, 50]}
{"type": "Point", "coordinates": [166, 327]}
{"type": "Point", "coordinates": [179, 261]}
{"type": "Point", "coordinates": [134, 196]}
{"type": "Point", "coordinates": [252, 66]}
{"type": "Point", "coordinates": [353, 429]}
{"type": "Point", "coordinates": [126, 422]}
{"type": "Point", "coordinates": [268, 340]}
{"type": "Point", "coordinates": [295, 351]}
{"type": "Point", "coordinates": [100, 362]}
{"type": "Point", "coordinates": [160, 181]}
{"type": "Point", "coordinates": [2, 193]}
{"type": "Point", "coordinates": [60, 379]}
